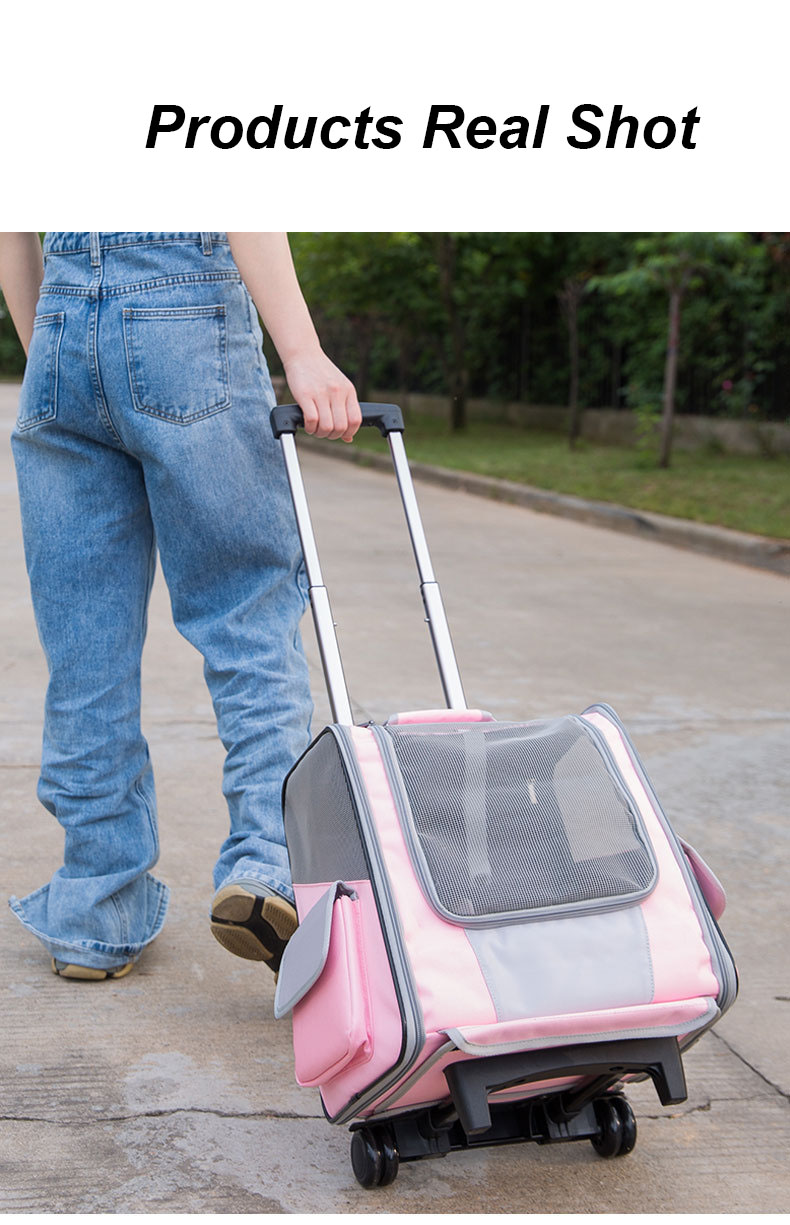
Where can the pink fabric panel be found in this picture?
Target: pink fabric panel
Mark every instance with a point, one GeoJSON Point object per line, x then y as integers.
{"type": "Point", "coordinates": [636, 1017]}
{"type": "Point", "coordinates": [331, 1023]}
{"type": "Point", "coordinates": [447, 974]}
{"type": "Point", "coordinates": [709, 883]}
{"type": "Point", "coordinates": [385, 1021]}
{"type": "Point", "coordinates": [681, 962]}
{"type": "Point", "coordinates": [442, 716]}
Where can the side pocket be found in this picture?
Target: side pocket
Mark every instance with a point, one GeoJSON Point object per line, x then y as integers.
{"type": "Point", "coordinates": [38, 401]}
{"type": "Point", "coordinates": [177, 360]}
{"type": "Point", "coordinates": [323, 980]}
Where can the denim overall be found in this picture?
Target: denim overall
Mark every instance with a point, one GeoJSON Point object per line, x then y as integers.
{"type": "Point", "coordinates": [143, 425]}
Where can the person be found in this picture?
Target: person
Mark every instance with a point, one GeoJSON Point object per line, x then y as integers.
{"type": "Point", "coordinates": [143, 426]}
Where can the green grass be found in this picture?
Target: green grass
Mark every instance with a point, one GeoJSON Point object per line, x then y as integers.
{"type": "Point", "coordinates": [751, 494]}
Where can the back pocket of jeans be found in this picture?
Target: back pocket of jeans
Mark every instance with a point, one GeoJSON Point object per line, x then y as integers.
{"type": "Point", "coordinates": [177, 359]}
{"type": "Point", "coordinates": [38, 401]}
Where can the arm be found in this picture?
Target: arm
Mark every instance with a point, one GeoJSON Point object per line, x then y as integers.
{"type": "Point", "coordinates": [21, 273]}
{"type": "Point", "coordinates": [324, 394]}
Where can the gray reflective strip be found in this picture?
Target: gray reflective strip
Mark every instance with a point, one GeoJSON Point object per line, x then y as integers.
{"type": "Point", "coordinates": [306, 952]}
{"type": "Point", "coordinates": [475, 807]}
{"type": "Point", "coordinates": [705, 1019]}
{"type": "Point", "coordinates": [568, 965]}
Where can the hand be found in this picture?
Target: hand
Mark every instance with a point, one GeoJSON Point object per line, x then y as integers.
{"type": "Point", "coordinates": [324, 394]}
{"type": "Point", "coordinates": [326, 397]}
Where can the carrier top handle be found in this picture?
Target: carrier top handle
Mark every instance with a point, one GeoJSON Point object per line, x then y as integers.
{"type": "Point", "coordinates": [388, 419]}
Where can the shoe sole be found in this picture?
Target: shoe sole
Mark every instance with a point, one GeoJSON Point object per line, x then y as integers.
{"type": "Point", "coordinates": [90, 974]}
{"type": "Point", "coordinates": [255, 928]}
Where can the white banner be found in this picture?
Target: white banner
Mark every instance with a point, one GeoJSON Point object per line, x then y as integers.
{"type": "Point", "coordinates": [510, 116]}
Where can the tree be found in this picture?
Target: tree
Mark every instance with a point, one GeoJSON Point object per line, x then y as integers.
{"type": "Point", "coordinates": [446, 247]}
{"type": "Point", "coordinates": [573, 288]}
{"type": "Point", "coordinates": [585, 256]}
{"type": "Point", "coordinates": [678, 264]}
{"type": "Point", "coordinates": [481, 280]}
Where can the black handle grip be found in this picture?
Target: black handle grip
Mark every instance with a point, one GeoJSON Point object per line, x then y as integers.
{"type": "Point", "coordinates": [387, 418]}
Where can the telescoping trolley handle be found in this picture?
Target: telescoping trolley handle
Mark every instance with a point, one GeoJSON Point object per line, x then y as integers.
{"type": "Point", "coordinates": [388, 419]}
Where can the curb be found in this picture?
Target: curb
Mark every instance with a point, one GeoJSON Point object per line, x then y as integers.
{"type": "Point", "coordinates": [722, 542]}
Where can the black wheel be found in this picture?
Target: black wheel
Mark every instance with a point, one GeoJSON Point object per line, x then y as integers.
{"type": "Point", "coordinates": [374, 1158]}
{"type": "Point", "coordinates": [609, 1140]}
{"type": "Point", "coordinates": [367, 1158]}
{"type": "Point", "coordinates": [390, 1158]}
{"type": "Point", "coordinates": [623, 1108]}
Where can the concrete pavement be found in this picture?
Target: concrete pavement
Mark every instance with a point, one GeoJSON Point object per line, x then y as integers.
{"type": "Point", "coordinates": [172, 1090]}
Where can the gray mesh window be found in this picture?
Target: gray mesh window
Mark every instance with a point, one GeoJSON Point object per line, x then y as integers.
{"type": "Point", "coordinates": [513, 818]}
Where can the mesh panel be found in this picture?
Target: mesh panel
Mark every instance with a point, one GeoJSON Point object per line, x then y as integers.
{"type": "Point", "coordinates": [320, 819]}
{"type": "Point", "coordinates": [519, 817]}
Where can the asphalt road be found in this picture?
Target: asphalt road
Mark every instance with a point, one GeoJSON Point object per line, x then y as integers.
{"type": "Point", "coordinates": [172, 1090]}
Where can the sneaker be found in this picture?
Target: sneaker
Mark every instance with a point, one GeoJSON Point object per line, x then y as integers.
{"type": "Point", "coordinates": [253, 921]}
{"type": "Point", "coordinates": [89, 973]}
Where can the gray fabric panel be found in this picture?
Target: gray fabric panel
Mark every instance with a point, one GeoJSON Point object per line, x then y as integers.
{"type": "Point", "coordinates": [306, 952]}
{"type": "Point", "coordinates": [566, 965]}
{"type": "Point", "coordinates": [320, 819]}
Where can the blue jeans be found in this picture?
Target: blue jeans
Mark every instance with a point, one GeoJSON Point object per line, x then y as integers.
{"type": "Point", "coordinates": [143, 425]}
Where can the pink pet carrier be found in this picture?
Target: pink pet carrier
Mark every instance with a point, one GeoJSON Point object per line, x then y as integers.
{"type": "Point", "coordinates": [498, 926]}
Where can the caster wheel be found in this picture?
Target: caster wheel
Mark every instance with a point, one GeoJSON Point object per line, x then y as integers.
{"type": "Point", "coordinates": [623, 1108]}
{"type": "Point", "coordinates": [609, 1140]}
{"type": "Point", "coordinates": [374, 1158]}
{"type": "Point", "coordinates": [390, 1158]}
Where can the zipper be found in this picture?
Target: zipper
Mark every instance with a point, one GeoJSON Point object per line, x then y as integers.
{"type": "Point", "coordinates": [413, 1029]}
{"type": "Point", "coordinates": [724, 967]}
{"type": "Point", "coordinates": [388, 1107]}
{"type": "Point", "coordinates": [569, 910]}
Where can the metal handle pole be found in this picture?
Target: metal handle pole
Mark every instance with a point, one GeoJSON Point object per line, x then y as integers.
{"type": "Point", "coordinates": [319, 599]}
{"type": "Point", "coordinates": [429, 588]}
